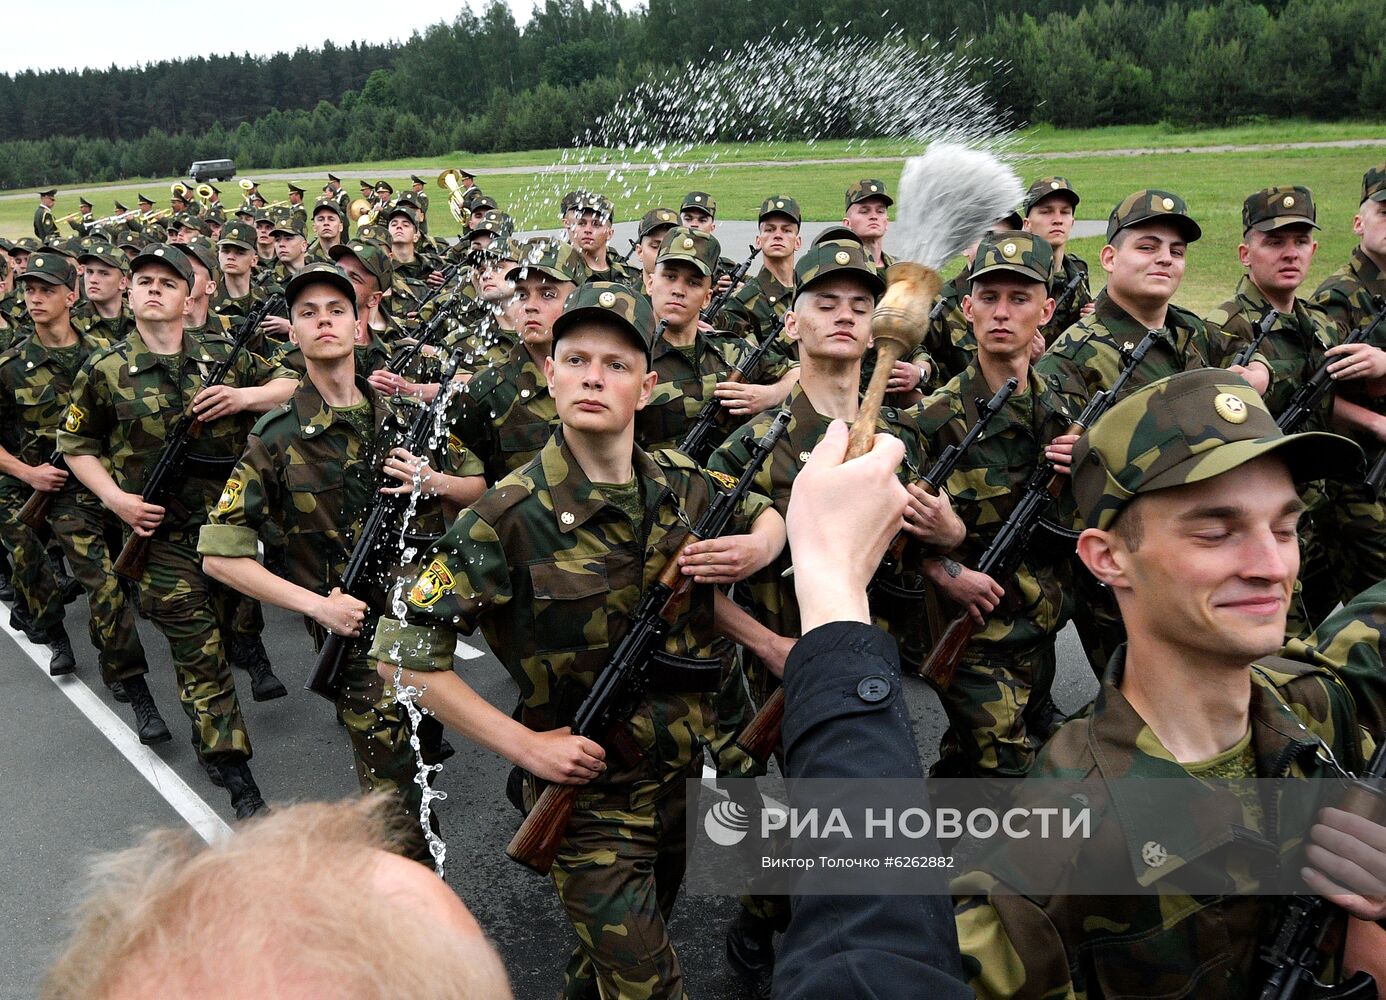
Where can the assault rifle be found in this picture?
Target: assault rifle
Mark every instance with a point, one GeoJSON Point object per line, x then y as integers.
{"type": "Point", "coordinates": [1263, 326]}
{"type": "Point", "coordinates": [1309, 395]}
{"type": "Point", "coordinates": [720, 299]}
{"type": "Point", "coordinates": [1069, 290]}
{"type": "Point", "coordinates": [167, 474]}
{"type": "Point", "coordinates": [695, 442]}
{"type": "Point", "coordinates": [35, 511]}
{"type": "Point", "coordinates": [1310, 927]}
{"type": "Point", "coordinates": [402, 359]}
{"type": "Point", "coordinates": [1002, 557]}
{"type": "Point", "coordinates": [762, 733]}
{"type": "Point", "coordinates": [621, 685]}
{"type": "Point", "coordinates": [386, 508]}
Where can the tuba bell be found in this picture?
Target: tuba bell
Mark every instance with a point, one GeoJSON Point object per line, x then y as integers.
{"type": "Point", "coordinates": [452, 180]}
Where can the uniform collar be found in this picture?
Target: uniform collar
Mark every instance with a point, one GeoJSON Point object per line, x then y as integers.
{"type": "Point", "coordinates": [1022, 411]}
{"type": "Point", "coordinates": [1124, 747]}
{"type": "Point", "coordinates": [1297, 322]}
{"type": "Point", "coordinates": [523, 375]}
{"type": "Point", "coordinates": [1118, 322]}
{"type": "Point", "coordinates": [314, 416]}
{"type": "Point", "coordinates": [142, 358]}
{"type": "Point", "coordinates": [1367, 272]}
{"type": "Point", "coordinates": [772, 288]}
{"type": "Point", "coordinates": [575, 500]}
{"type": "Point", "coordinates": [36, 355]}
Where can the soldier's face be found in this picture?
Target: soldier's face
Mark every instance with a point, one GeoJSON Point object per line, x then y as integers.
{"type": "Point", "coordinates": [47, 303]}
{"type": "Point", "coordinates": [1051, 219]}
{"type": "Point", "coordinates": [402, 231]}
{"type": "Point", "coordinates": [327, 224]}
{"type": "Point", "coordinates": [366, 284]}
{"type": "Point", "coordinates": [180, 236]}
{"type": "Point", "coordinates": [1006, 313]}
{"type": "Point", "coordinates": [869, 219]}
{"type": "Point", "coordinates": [102, 281]}
{"type": "Point", "coordinates": [289, 246]}
{"type": "Point", "coordinates": [324, 323]}
{"type": "Point", "coordinates": [648, 249]}
{"type": "Point", "coordinates": [1278, 261]}
{"type": "Point", "coordinates": [591, 233]}
{"type": "Point", "coordinates": [598, 379]}
{"type": "Point", "coordinates": [1370, 226]}
{"type": "Point", "coordinates": [20, 260]}
{"type": "Point", "coordinates": [696, 218]}
{"type": "Point", "coordinates": [778, 237]}
{"type": "Point", "coordinates": [538, 302]}
{"type": "Point", "coordinates": [678, 292]}
{"type": "Point", "coordinates": [157, 294]}
{"type": "Point", "coordinates": [491, 281]}
{"type": "Point", "coordinates": [264, 233]}
{"type": "Point", "coordinates": [204, 283]}
{"type": "Point", "coordinates": [1146, 264]}
{"type": "Point", "coordinates": [832, 319]}
{"type": "Point", "coordinates": [235, 260]}
{"type": "Point", "coordinates": [1212, 575]}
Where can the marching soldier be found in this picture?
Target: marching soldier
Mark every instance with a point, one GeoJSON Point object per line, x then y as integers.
{"type": "Point", "coordinates": [654, 224]}
{"type": "Point", "coordinates": [1148, 234]}
{"type": "Point", "coordinates": [124, 403]}
{"type": "Point", "coordinates": [1352, 524]}
{"type": "Point", "coordinates": [542, 563]}
{"type": "Point", "coordinates": [998, 703]}
{"type": "Point", "coordinates": [692, 363]}
{"type": "Point", "coordinates": [290, 248]}
{"type": "Point", "coordinates": [372, 275]}
{"type": "Point", "coordinates": [37, 378]}
{"type": "Point", "coordinates": [420, 198]}
{"type": "Point", "coordinates": [1200, 549]}
{"type": "Point", "coordinates": [754, 307]}
{"type": "Point", "coordinates": [1049, 208]}
{"type": "Point", "coordinates": [105, 277]}
{"type": "Point", "coordinates": [237, 293]}
{"type": "Point", "coordinates": [45, 229]}
{"type": "Point", "coordinates": [329, 227]}
{"type": "Point", "coordinates": [867, 213]}
{"type": "Point", "coordinates": [310, 467]}
{"type": "Point", "coordinates": [591, 234]}
{"type": "Point", "coordinates": [698, 211]}
{"type": "Point", "coordinates": [410, 281]}
{"type": "Point", "coordinates": [299, 210]}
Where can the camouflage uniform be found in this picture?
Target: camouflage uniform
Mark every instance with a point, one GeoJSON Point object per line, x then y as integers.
{"type": "Point", "coordinates": [124, 403]}
{"type": "Point", "coordinates": [1173, 941]}
{"type": "Point", "coordinates": [685, 384]}
{"type": "Point", "coordinates": [505, 414]}
{"type": "Point", "coordinates": [87, 321]}
{"type": "Point", "coordinates": [35, 385]}
{"type": "Point", "coordinates": [308, 469]}
{"type": "Point", "coordinates": [369, 357]}
{"type": "Point", "coordinates": [861, 191]}
{"type": "Point", "coordinates": [1071, 267]}
{"type": "Point", "coordinates": [1352, 523]}
{"type": "Point", "coordinates": [551, 572]}
{"type": "Point", "coordinates": [949, 340]}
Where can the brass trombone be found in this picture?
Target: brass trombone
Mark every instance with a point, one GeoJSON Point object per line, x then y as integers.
{"type": "Point", "coordinates": [452, 180]}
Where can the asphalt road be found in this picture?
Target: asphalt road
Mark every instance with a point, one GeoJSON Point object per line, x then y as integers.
{"type": "Point", "coordinates": [69, 794]}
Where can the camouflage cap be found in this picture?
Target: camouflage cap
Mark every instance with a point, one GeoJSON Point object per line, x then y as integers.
{"type": "Point", "coordinates": [1049, 187]}
{"type": "Point", "coordinates": [780, 204]}
{"type": "Point", "coordinates": [408, 211]}
{"type": "Point", "coordinates": [554, 258]}
{"type": "Point", "coordinates": [598, 204]}
{"type": "Point", "coordinates": [127, 238]}
{"type": "Point", "coordinates": [201, 248]}
{"type": "Point", "coordinates": [320, 273]}
{"type": "Point", "coordinates": [478, 200]}
{"type": "Point", "coordinates": [833, 233]}
{"type": "Point", "coordinates": [189, 220]}
{"type": "Point", "coordinates": [25, 244]}
{"type": "Point", "coordinates": [837, 257]}
{"type": "Point", "coordinates": [331, 204]}
{"type": "Point", "coordinates": [656, 219]}
{"type": "Point", "coordinates": [372, 233]}
{"type": "Point", "coordinates": [107, 253]}
{"type": "Point", "coordinates": [693, 245]}
{"type": "Point", "coordinates": [1018, 253]}
{"type": "Point", "coordinates": [168, 256]}
{"type": "Point", "coordinates": [613, 302]}
{"type": "Point", "coordinates": [864, 189]}
{"type": "Point", "coordinates": [68, 248]}
{"type": "Point", "coordinates": [1151, 206]}
{"type": "Point", "coordinates": [1187, 428]}
{"type": "Point", "coordinates": [51, 269]}
{"type": "Point", "coordinates": [407, 198]}
{"type": "Point", "coordinates": [289, 225]}
{"type": "Point", "coordinates": [238, 234]}
{"type": "Point", "coordinates": [499, 224]}
{"type": "Point", "coordinates": [565, 205]}
{"type": "Point", "coordinates": [1274, 207]}
{"type": "Point", "coordinates": [372, 256]}
{"type": "Point", "coordinates": [699, 201]}
{"type": "Point", "coordinates": [1374, 183]}
{"type": "Point", "coordinates": [6, 245]}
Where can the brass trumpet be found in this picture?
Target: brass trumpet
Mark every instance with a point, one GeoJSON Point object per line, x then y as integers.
{"type": "Point", "coordinates": [69, 217]}
{"type": "Point", "coordinates": [452, 180]}
{"type": "Point", "coordinates": [362, 212]}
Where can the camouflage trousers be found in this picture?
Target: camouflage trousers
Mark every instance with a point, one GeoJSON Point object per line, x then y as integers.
{"type": "Point", "coordinates": [35, 586]}
{"type": "Point", "coordinates": [79, 527]}
{"type": "Point", "coordinates": [990, 707]}
{"type": "Point", "coordinates": [1351, 528]}
{"type": "Point", "coordinates": [191, 610]}
{"type": "Point", "coordinates": [618, 873]}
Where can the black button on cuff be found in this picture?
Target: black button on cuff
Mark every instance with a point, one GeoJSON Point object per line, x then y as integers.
{"type": "Point", "coordinates": [873, 689]}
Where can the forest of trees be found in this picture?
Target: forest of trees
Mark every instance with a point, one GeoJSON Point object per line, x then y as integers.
{"type": "Point", "coordinates": [482, 83]}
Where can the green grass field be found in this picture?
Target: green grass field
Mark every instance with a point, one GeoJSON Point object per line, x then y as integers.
{"type": "Point", "coordinates": [1213, 183]}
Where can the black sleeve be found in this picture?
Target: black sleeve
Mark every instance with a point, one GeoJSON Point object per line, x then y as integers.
{"type": "Point", "coordinates": [843, 690]}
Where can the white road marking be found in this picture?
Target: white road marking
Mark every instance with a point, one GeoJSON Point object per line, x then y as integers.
{"type": "Point", "coordinates": [468, 652]}
{"type": "Point", "coordinates": [171, 788]}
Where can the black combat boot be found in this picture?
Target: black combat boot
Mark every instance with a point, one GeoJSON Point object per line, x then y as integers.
{"type": "Point", "coordinates": [149, 723]}
{"type": "Point", "coordinates": [245, 794]}
{"type": "Point", "coordinates": [751, 952]}
{"type": "Point", "coordinates": [117, 690]}
{"type": "Point", "coordinates": [7, 593]}
{"type": "Point", "coordinates": [20, 621]}
{"type": "Point", "coordinates": [62, 661]}
{"type": "Point", "coordinates": [249, 652]}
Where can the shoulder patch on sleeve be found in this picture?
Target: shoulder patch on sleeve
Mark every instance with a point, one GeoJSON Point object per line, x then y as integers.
{"type": "Point", "coordinates": [672, 458]}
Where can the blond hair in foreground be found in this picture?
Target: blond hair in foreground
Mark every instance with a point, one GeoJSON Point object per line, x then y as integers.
{"type": "Point", "coordinates": [310, 902]}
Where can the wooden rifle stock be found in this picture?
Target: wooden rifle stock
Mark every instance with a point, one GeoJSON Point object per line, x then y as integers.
{"type": "Point", "coordinates": [35, 511]}
{"type": "Point", "coordinates": [762, 733]}
{"type": "Point", "coordinates": [536, 842]}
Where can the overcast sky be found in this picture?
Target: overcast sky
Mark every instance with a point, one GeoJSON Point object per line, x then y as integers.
{"type": "Point", "coordinates": [77, 34]}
